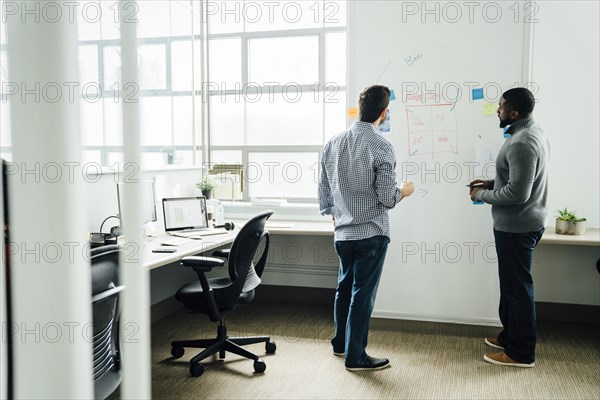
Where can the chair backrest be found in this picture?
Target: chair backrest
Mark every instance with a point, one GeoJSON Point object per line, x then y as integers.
{"type": "Point", "coordinates": [241, 255]}
{"type": "Point", "coordinates": [105, 309]}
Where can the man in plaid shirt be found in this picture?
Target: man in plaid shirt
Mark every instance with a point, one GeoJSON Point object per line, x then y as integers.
{"type": "Point", "coordinates": [357, 187]}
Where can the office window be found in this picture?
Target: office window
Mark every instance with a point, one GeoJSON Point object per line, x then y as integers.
{"type": "Point", "coordinates": [276, 90]}
{"type": "Point", "coordinates": [164, 90]}
{"type": "Point", "coordinates": [168, 109]}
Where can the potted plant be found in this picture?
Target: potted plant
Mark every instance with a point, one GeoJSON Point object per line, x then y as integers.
{"type": "Point", "coordinates": [169, 152]}
{"type": "Point", "coordinates": [568, 223]}
{"type": "Point", "coordinates": [206, 185]}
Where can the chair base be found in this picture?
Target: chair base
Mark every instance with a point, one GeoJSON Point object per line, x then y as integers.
{"type": "Point", "coordinates": [222, 344]}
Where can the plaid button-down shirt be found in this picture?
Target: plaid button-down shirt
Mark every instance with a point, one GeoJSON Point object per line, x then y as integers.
{"type": "Point", "coordinates": [357, 185]}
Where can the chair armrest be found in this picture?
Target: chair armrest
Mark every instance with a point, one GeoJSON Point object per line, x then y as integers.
{"type": "Point", "coordinates": [201, 263]}
{"type": "Point", "coordinates": [224, 253]}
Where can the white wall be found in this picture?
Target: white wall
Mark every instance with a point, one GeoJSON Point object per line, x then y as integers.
{"type": "Point", "coordinates": [441, 264]}
{"type": "Point", "coordinates": [565, 67]}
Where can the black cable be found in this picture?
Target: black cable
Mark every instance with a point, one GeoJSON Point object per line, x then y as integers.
{"type": "Point", "coordinates": [106, 219]}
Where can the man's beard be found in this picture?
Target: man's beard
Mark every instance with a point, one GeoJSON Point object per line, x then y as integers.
{"type": "Point", "coordinates": [504, 123]}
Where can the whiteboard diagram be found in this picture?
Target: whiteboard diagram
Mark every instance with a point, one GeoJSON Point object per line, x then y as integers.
{"type": "Point", "coordinates": [432, 129]}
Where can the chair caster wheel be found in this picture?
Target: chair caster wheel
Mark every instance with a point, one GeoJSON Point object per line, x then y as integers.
{"type": "Point", "coordinates": [259, 366]}
{"type": "Point", "coordinates": [177, 352]}
{"type": "Point", "coordinates": [270, 347]}
{"type": "Point", "coordinates": [196, 369]}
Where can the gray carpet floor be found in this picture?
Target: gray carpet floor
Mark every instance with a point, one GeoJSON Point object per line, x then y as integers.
{"type": "Point", "coordinates": [428, 360]}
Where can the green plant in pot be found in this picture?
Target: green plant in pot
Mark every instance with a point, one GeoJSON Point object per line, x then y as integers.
{"type": "Point", "coordinates": [170, 153]}
{"type": "Point", "coordinates": [206, 185]}
{"type": "Point", "coordinates": [568, 223]}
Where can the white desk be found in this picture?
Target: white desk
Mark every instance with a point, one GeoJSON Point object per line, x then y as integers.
{"type": "Point", "coordinates": [156, 260]}
{"type": "Point", "coordinates": [194, 247]}
{"type": "Point", "coordinates": [316, 228]}
{"type": "Point", "coordinates": [313, 228]}
{"type": "Point", "coordinates": [591, 238]}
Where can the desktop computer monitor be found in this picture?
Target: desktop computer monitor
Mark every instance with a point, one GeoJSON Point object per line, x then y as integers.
{"type": "Point", "coordinates": [148, 204]}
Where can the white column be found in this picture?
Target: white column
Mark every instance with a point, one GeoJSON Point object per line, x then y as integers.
{"type": "Point", "coordinates": [135, 320]}
{"type": "Point", "coordinates": [50, 267]}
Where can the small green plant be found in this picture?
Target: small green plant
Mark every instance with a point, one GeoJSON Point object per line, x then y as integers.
{"type": "Point", "coordinates": [206, 184]}
{"type": "Point", "coordinates": [569, 216]}
{"type": "Point", "coordinates": [169, 150]}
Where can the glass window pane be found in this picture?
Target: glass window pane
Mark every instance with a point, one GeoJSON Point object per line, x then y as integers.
{"type": "Point", "coordinates": [284, 122]}
{"type": "Point", "coordinates": [335, 114]}
{"type": "Point", "coordinates": [116, 158]}
{"type": "Point", "coordinates": [112, 68]}
{"type": "Point", "coordinates": [88, 68]}
{"type": "Point", "coordinates": [5, 123]}
{"type": "Point", "coordinates": [89, 14]}
{"type": "Point", "coordinates": [335, 58]}
{"type": "Point", "coordinates": [155, 121]}
{"type": "Point", "coordinates": [226, 120]}
{"type": "Point", "coordinates": [91, 123]}
{"type": "Point", "coordinates": [152, 67]}
{"type": "Point", "coordinates": [113, 122]}
{"type": "Point", "coordinates": [181, 18]}
{"type": "Point", "coordinates": [286, 14]}
{"type": "Point", "coordinates": [183, 128]}
{"type": "Point", "coordinates": [91, 157]}
{"type": "Point", "coordinates": [334, 13]}
{"type": "Point", "coordinates": [225, 63]}
{"type": "Point", "coordinates": [224, 17]}
{"type": "Point", "coordinates": [181, 65]}
{"type": "Point", "coordinates": [152, 160]}
{"type": "Point", "coordinates": [184, 157]}
{"type": "Point", "coordinates": [108, 18]}
{"type": "Point", "coordinates": [152, 16]}
{"type": "Point", "coordinates": [226, 157]}
{"type": "Point", "coordinates": [284, 60]}
{"type": "Point", "coordinates": [285, 175]}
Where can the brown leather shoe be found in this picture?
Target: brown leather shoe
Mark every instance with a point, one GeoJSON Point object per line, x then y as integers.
{"type": "Point", "coordinates": [493, 342]}
{"type": "Point", "coordinates": [503, 359]}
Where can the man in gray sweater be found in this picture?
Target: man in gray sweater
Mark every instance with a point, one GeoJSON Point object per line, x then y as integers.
{"type": "Point", "coordinates": [518, 197]}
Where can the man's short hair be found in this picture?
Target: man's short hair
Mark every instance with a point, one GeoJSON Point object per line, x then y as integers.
{"type": "Point", "coordinates": [372, 101]}
{"type": "Point", "coordinates": [521, 100]}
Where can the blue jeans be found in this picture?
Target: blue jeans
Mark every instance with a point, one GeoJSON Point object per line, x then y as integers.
{"type": "Point", "coordinates": [517, 307]}
{"type": "Point", "coordinates": [361, 263]}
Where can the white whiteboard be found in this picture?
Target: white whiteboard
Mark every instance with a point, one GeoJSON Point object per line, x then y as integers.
{"type": "Point", "coordinates": [441, 263]}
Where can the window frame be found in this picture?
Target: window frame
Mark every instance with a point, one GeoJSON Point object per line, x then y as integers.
{"type": "Point", "coordinates": [323, 89]}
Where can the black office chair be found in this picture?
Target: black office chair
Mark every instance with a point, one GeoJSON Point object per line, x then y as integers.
{"type": "Point", "coordinates": [217, 296]}
{"type": "Point", "coordinates": [105, 309]}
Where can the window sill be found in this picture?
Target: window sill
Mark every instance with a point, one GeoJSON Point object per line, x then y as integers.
{"type": "Point", "coordinates": [129, 170]}
{"type": "Point", "coordinates": [287, 212]}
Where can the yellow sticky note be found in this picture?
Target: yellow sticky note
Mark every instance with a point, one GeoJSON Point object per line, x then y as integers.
{"type": "Point", "coordinates": [353, 112]}
{"type": "Point", "coordinates": [489, 109]}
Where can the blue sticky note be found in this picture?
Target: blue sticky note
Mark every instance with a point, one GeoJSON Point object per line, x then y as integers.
{"type": "Point", "coordinates": [392, 95]}
{"type": "Point", "coordinates": [477, 94]}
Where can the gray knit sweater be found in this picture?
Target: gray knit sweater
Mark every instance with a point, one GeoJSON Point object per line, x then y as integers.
{"type": "Point", "coordinates": [520, 191]}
